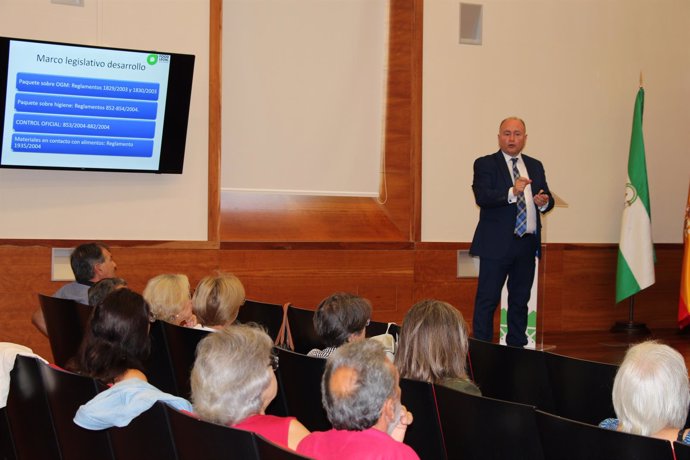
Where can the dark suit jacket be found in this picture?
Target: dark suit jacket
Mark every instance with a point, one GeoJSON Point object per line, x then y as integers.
{"type": "Point", "coordinates": [492, 180]}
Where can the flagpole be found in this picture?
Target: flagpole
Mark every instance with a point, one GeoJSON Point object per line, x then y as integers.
{"type": "Point", "coordinates": [631, 327]}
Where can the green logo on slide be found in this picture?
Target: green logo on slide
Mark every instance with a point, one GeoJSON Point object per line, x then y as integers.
{"type": "Point", "coordinates": [152, 59]}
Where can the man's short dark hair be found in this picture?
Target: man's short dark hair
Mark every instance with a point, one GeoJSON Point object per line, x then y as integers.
{"type": "Point", "coordinates": [84, 258]}
{"type": "Point", "coordinates": [359, 407]}
{"type": "Point", "coordinates": [340, 315]}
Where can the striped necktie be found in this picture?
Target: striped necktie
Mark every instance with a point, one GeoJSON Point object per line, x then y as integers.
{"type": "Point", "coordinates": [521, 219]}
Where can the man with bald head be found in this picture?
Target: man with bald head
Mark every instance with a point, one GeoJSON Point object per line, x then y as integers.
{"type": "Point", "coordinates": [361, 395]}
{"type": "Point", "coordinates": [511, 191]}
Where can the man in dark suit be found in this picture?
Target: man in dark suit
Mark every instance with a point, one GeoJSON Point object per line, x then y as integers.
{"type": "Point", "coordinates": [511, 190]}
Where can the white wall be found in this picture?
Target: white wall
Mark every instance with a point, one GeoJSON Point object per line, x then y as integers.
{"type": "Point", "coordinates": [571, 69]}
{"type": "Point", "coordinates": [104, 205]}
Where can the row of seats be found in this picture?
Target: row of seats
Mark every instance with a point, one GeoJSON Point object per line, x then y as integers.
{"type": "Point", "coordinates": [42, 400]}
{"type": "Point", "coordinates": [573, 388]}
{"type": "Point", "coordinates": [479, 427]}
{"type": "Point", "coordinates": [448, 425]}
{"type": "Point", "coordinates": [540, 383]}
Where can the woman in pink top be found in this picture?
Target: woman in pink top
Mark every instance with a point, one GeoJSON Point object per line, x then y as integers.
{"type": "Point", "coordinates": [233, 382]}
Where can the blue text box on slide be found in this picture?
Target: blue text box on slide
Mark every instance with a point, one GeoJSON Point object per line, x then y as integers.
{"type": "Point", "coordinates": [50, 124]}
{"type": "Point", "coordinates": [85, 106]}
{"type": "Point", "coordinates": [81, 86]}
{"type": "Point", "coordinates": [103, 146]}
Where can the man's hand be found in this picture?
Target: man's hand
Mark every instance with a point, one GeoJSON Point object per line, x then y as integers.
{"type": "Point", "coordinates": [520, 184]}
{"type": "Point", "coordinates": [541, 199]}
{"type": "Point", "coordinates": [405, 419]}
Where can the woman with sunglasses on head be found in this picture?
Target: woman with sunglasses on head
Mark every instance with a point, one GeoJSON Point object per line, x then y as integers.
{"type": "Point", "coordinates": [233, 382]}
{"type": "Point", "coordinates": [113, 351]}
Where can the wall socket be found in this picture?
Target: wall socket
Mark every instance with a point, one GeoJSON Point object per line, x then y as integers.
{"type": "Point", "coordinates": [468, 266]}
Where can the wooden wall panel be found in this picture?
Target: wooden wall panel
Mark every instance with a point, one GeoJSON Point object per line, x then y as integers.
{"type": "Point", "coordinates": [305, 277]}
{"type": "Point", "coordinates": [577, 291]}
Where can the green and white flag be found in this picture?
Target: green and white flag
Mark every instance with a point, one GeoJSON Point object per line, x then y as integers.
{"type": "Point", "coordinates": [636, 249]}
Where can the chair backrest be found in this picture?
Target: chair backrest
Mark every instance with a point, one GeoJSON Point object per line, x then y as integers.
{"type": "Point", "coordinates": [6, 445]}
{"type": "Point", "coordinates": [299, 380]}
{"type": "Point", "coordinates": [147, 436]}
{"type": "Point", "coordinates": [481, 427]}
{"type": "Point", "coordinates": [581, 389]}
{"type": "Point", "coordinates": [378, 328]}
{"type": "Point", "coordinates": [301, 324]}
{"type": "Point", "coordinates": [269, 315]}
{"type": "Point", "coordinates": [66, 392]}
{"type": "Point", "coordinates": [682, 451]}
{"type": "Point", "coordinates": [66, 322]}
{"type": "Point", "coordinates": [269, 451]}
{"type": "Point", "coordinates": [196, 439]}
{"type": "Point", "coordinates": [511, 373]}
{"type": "Point", "coordinates": [424, 435]}
{"type": "Point", "coordinates": [28, 413]}
{"type": "Point", "coordinates": [159, 368]}
{"type": "Point", "coordinates": [565, 439]}
{"type": "Point", "coordinates": [182, 342]}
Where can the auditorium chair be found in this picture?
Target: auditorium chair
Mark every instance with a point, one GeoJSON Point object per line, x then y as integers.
{"type": "Point", "coordinates": [6, 446]}
{"type": "Point", "coordinates": [65, 392]}
{"type": "Point", "coordinates": [196, 439]}
{"type": "Point", "coordinates": [159, 368]}
{"type": "Point", "coordinates": [478, 427]}
{"type": "Point", "coordinates": [581, 389]}
{"type": "Point", "coordinates": [301, 325]}
{"type": "Point", "coordinates": [269, 315]}
{"type": "Point", "coordinates": [511, 373]}
{"type": "Point", "coordinates": [424, 435]}
{"type": "Point", "coordinates": [378, 328]}
{"type": "Point", "coordinates": [182, 342]}
{"type": "Point", "coordinates": [66, 322]}
{"type": "Point", "coordinates": [270, 451]}
{"type": "Point", "coordinates": [682, 451]}
{"type": "Point", "coordinates": [148, 436]}
{"type": "Point", "coordinates": [28, 413]}
{"type": "Point", "coordinates": [299, 380]}
{"type": "Point", "coordinates": [565, 439]}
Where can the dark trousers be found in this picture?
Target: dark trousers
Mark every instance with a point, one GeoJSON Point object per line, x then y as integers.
{"type": "Point", "coordinates": [518, 267]}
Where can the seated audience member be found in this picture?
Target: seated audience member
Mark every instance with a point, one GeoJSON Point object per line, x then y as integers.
{"type": "Point", "coordinates": [217, 300]}
{"type": "Point", "coordinates": [361, 395]}
{"type": "Point", "coordinates": [340, 318]}
{"type": "Point", "coordinates": [170, 299]}
{"type": "Point", "coordinates": [233, 382]}
{"type": "Point", "coordinates": [90, 262]}
{"type": "Point", "coordinates": [433, 346]}
{"type": "Point", "coordinates": [113, 350]}
{"type": "Point", "coordinates": [651, 393]}
{"type": "Point", "coordinates": [101, 289]}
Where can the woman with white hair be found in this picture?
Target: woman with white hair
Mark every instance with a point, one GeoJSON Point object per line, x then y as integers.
{"type": "Point", "coordinates": [651, 393]}
{"type": "Point", "coordinates": [170, 299]}
{"type": "Point", "coordinates": [233, 382]}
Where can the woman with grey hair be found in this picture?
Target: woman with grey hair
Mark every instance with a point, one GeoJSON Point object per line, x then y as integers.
{"type": "Point", "coordinates": [233, 382]}
{"type": "Point", "coordinates": [651, 393]}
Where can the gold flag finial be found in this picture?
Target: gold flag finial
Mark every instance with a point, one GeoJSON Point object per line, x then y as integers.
{"type": "Point", "coordinates": [641, 79]}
